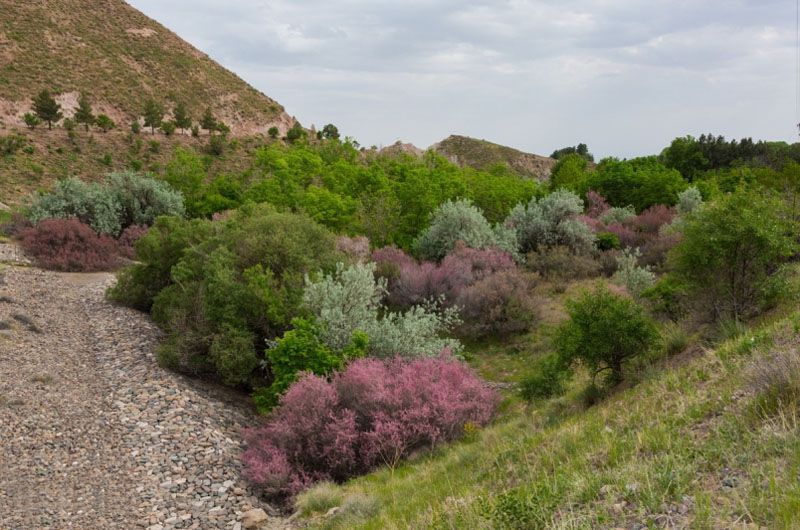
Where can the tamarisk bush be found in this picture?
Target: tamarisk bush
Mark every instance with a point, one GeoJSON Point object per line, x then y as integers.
{"type": "Point", "coordinates": [375, 412]}
{"type": "Point", "coordinates": [69, 245]}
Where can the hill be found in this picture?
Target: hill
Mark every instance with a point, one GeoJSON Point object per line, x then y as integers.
{"type": "Point", "coordinates": [119, 57]}
{"type": "Point", "coordinates": [482, 154]}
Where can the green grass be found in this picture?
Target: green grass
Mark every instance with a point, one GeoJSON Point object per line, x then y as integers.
{"type": "Point", "coordinates": [679, 448]}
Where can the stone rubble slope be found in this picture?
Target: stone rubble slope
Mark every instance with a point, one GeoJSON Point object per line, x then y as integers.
{"type": "Point", "coordinates": [93, 433]}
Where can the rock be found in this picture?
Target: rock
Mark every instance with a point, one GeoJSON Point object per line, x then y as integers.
{"type": "Point", "coordinates": [254, 518]}
{"type": "Point", "coordinates": [619, 507]}
{"type": "Point", "coordinates": [333, 511]}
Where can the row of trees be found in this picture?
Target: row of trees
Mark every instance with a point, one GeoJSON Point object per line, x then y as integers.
{"type": "Point", "coordinates": [46, 109]}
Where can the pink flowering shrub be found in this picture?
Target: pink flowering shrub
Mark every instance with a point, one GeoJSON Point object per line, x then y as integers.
{"type": "Point", "coordinates": [374, 413]}
{"type": "Point", "coordinates": [412, 283]}
{"type": "Point", "coordinates": [356, 248]}
{"type": "Point", "coordinates": [69, 245]}
{"type": "Point", "coordinates": [128, 237]}
{"type": "Point", "coordinates": [638, 231]}
{"type": "Point", "coordinates": [498, 304]}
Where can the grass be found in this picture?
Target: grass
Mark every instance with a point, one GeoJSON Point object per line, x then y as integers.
{"type": "Point", "coordinates": [680, 448]}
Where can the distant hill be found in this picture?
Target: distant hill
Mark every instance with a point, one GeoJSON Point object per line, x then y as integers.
{"type": "Point", "coordinates": [119, 57]}
{"type": "Point", "coordinates": [482, 154]}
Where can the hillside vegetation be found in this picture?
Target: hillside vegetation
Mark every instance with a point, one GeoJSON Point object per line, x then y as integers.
{"type": "Point", "coordinates": [119, 57]}
{"type": "Point", "coordinates": [482, 154]}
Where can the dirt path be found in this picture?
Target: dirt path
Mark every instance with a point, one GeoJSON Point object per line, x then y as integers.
{"type": "Point", "coordinates": [93, 433]}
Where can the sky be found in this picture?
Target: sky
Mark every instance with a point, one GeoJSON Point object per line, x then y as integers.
{"type": "Point", "coordinates": [623, 76]}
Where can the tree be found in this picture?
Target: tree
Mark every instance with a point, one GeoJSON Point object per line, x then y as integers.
{"type": "Point", "coordinates": [84, 113]}
{"type": "Point", "coordinates": [153, 114]}
{"type": "Point", "coordinates": [105, 123]}
{"type": "Point", "coordinates": [295, 133]}
{"type": "Point", "coordinates": [136, 127]}
{"type": "Point", "coordinates": [732, 251]}
{"type": "Point", "coordinates": [168, 127]}
{"type": "Point", "coordinates": [604, 331]}
{"type": "Point", "coordinates": [181, 117]}
{"type": "Point", "coordinates": [31, 120]}
{"type": "Point", "coordinates": [273, 132]}
{"type": "Point", "coordinates": [47, 108]}
{"type": "Point", "coordinates": [208, 122]}
{"type": "Point", "coordinates": [570, 173]}
{"type": "Point", "coordinates": [330, 132]}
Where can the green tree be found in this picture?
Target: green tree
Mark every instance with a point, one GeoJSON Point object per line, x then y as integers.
{"type": "Point", "coordinates": [105, 123]}
{"type": "Point", "coordinates": [295, 133]}
{"type": "Point", "coordinates": [181, 115]}
{"type": "Point", "coordinates": [31, 120]}
{"type": "Point", "coordinates": [47, 108]}
{"type": "Point", "coordinates": [732, 251]}
{"type": "Point", "coordinates": [84, 114]}
{"type": "Point", "coordinates": [153, 114]}
{"type": "Point", "coordinates": [604, 331]}
{"type": "Point", "coordinates": [273, 132]}
{"type": "Point", "coordinates": [168, 128]}
{"type": "Point", "coordinates": [330, 132]}
{"type": "Point", "coordinates": [208, 122]}
{"type": "Point", "coordinates": [570, 173]}
{"type": "Point", "coordinates": [136, 127]}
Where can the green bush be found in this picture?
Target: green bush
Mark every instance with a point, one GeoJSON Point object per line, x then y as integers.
{"type": "Point", "coordinates": [605, 331]}
{"type": "Point", "coordinates": [548, 379]}
{"type": "Point", "coordinates": [667, 298]}
{"type": "Point", "coordinates": [143, 199]}
{"type": "Point", "coordinates": [93, 204]}
{"type": "Point", "coordinates": [302, 350]}
{"type": "Point", "coordinates": [733, 249]}
{"type": "Point", "coordinates": [220, 289]}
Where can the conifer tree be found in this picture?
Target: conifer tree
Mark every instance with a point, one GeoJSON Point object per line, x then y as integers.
{"type": "Point", "coordinates": [84, 114]}
{"type": "Point", "coordinates": [208, 121]}
{"type": "Point", "coordinates": [182, 119]}
{"type": "Point", "coordinates": [46, 108]}
{"type": "Point", "coordinates": [153, 114]}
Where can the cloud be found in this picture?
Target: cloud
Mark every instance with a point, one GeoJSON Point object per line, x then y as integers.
{"type": "Point", "coordinates": [624, 76]}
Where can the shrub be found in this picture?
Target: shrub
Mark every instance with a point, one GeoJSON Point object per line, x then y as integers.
{"type": "Point", "coordinates": [168, 128]}
{"type": "Point", "coordinates": [775, 379]}
{"type": "Point", "coordinates": [617, 215]}
{"type": "Point", "coordinates": [732, 250]}
{"type": "Point", "coordinates": [136, 127]}
{"type": "Point", "coordinates": [105, 123]}
{"type": "Point", "coordinates": [128, 238]}
{"type": "Point", "coordinates": [630, 275]}
{"type": "Point", "coordinates": [320, 498]}
{"type": "Point", "coordinates": [221, 289]}
{"type": "Point", "coordinates": [216, 145]}
{"type": "Point", "coordinates": [142, 199]}
{"type": "Point", "coordinates": [460, 220]}
{"type": "Point", "coordinates": [551, 221]}
{"type": "Point", "coordinates": [604, 331]}
{"type": "Point", "coordinates": [607, 241]}
{"type": "Point", "coordinates": [92, 204]}
{"type": "Point", "coordinates": [301, 350]}
{"type": "Point", "coordinates": [349, 300]}
{"type": "Point", "coordinates": [31, 120]}
{"type": "Point", "coordinates": [69, 245]}
{"type": "Point", "coordinates": [689, 200]}
{"type": "Point", "coordinates": [548, 379]}
{"type": "Point", "coordinates": [357, 248]}
{"type": "Point", "coordinates": [561, 265]}
{"type": "Point", "coordinates": [373, 413]}
{"type": "Point", "coordinates": [501, 303]}
{"type": "Point", "coordinates": [667, 298]}
{"type": "Point", "coordinates": [417, 283]}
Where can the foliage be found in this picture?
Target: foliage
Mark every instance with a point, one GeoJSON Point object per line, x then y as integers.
{"type": "Point", "coordinates": [136, 127]}
{"type": "Point", "coordinates": [547, 379]}
{"type": "Point", "coordinates": [153, 113]}
{"type": "Point", "coordinates": [604, 331]}
{"type": "Point", "coordinates": [181, 116]}
{"type": "Point", "coordinates": [69, 245]}
{"type": "Point", "coordinates": [296, 133]}
{"type": "Point", "coordinates": [689, 200]}
{"type": "Point", "coordinates": [31, 120]}
{"type": "Point", "coordinates": [641, 182]}
{"type": "Point", "coordinates": [580, 150]}
{"type": "Point", "coordinates": [569, 173]}
{"type": "Point", "coordinates": [460, 220]}
{"type": "Point", "coordinates": [84, 114]}
{"type": "Point", "coordinates": [46, 108]}
{"type": "Point", "coordinates": [168, 128]}
{"type": "Point", "coordinates": [221, 288]}
{"type": "Point", "coordinates": [11, 143]}
{"type": "Point", "coordinates": [93, 204]}
{"type": "Point", "coordinates": [561, 265]}
{"type": "Point", "coordinates": [498, 304]}
{"type": "Point", "coordinates": [330, 132]}
{"type": "Point", "coordinates": [349, 300]}
{"type": "Point", "coordinates": [142, 198]}
{"type": "Point", "coordinates": [208, 122]}
{"type": "Point", "coordinates": [301, 350]}
{"type": "Point", "coordinates": [630, 275]}
{"type": "Point", "coordinates": [105, 123]}
{"type": "Point", "coordinates": [373, 413]}
{"type": "Point", "coordinates": [732, 251]}
{"type": "Point", "coordinates": [273, 132]}
{"type": "Point", "coordinates": [128, 238]}
{"type": "Point", "coordinates": [775, 379]}
{"type": "Point", "coordinates": [551, 221]}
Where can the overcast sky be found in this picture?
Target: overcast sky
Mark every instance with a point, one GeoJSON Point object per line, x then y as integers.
{"type": "Point", "coordinates": [623, 76]}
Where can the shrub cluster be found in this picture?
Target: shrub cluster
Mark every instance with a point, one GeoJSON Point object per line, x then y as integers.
{"type": "Point", "coordinates": [220, 289]}
{"type": "Point", "coordinates": [373, 413]}
{"type": "Point", "coordinates": [69, 245]}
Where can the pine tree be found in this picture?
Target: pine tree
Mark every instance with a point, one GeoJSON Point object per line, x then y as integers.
{"type": "Point", "coordinates": [46, 108]}
{"type": "Point", "coordinates": [208, 121]}
{"type": "Point", "coordinates": [182, 119]}
{"type": "Point", "coordinates": [84, 112]}
{"type": "Point", "coordinates": [153, 114]}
